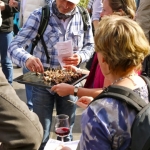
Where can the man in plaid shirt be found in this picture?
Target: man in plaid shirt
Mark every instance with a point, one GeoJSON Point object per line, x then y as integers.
{"type": "Point", "coordinates": [65, 23]}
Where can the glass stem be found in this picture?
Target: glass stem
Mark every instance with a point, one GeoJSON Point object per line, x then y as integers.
{"type": "Point", "coordinates": [62, 139]}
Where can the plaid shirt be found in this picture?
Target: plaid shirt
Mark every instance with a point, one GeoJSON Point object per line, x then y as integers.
{"type": "Point", "coordinates": [83, 43]}
{"type": "Point", "coordinates": [90, 3]}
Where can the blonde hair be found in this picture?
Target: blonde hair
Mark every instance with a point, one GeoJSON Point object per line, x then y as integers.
{"type": "Point", "coordinates": [122, 43]}
{"type": "Point", "coordinates": [128, 7]}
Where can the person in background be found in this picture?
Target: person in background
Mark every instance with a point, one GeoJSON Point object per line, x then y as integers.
{"type": "Point", "coordinates": [20, 129]}
{"type": "Point", "coordinates": [26, 8]}
{"type": "Point", "coordinates": [6, 36]}
{"type": "Point", "coordinates": [142, 17]}
{"type": "Point", "coordinates": [65, 24]}
{"type": "Point", "coordinates": [128, 8]}
{"type": "Point", "coordinates": [95, 7]}
{"type": "Point", "coordinates": [16, 23]}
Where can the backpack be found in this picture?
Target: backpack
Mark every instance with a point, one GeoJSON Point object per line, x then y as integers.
{"type": "Point", "coordinates": [44, 23]}
{"type": "Point", "coordinates": [146, 66]}
{"type": "Point", "coordinates": [140, 130]}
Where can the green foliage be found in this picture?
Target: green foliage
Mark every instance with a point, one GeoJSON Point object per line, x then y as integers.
{"type": "Point", "coordinates": [83, 3]}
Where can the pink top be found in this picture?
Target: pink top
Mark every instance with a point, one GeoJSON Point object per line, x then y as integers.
{"type": "Point", "coordinates": [95, 78]}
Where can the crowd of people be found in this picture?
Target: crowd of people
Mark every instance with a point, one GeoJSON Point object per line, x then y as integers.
{"type": "Point", "coordinates": [118, 38]}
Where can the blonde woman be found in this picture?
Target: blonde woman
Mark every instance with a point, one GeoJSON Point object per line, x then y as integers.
{"type": "Point", "coordinates": [121, 47]}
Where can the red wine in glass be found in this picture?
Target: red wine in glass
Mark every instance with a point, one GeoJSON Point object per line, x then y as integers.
{"type": "Point", "coordinates": [62, 126]}
{"type": "Point", "coordinates": [62, 131]}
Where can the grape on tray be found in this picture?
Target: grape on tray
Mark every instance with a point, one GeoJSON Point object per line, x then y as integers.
{"type": "Point", "coordinates": [57, 76]}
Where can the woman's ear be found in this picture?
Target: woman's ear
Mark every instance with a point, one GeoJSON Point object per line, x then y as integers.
{"type": "Point", "coordinates": [103, 60]}
{"type": "Point", "coordinates": [120, 12]}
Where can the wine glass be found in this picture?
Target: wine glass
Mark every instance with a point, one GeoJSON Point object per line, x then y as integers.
{"type": "Point", "coordinates": [62, 126]}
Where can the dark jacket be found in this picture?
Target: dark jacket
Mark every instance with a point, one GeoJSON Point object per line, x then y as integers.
{"type": "Point", "coordinates": [7, 16]}
{"type": "Point", "coordinates": [20, 128]}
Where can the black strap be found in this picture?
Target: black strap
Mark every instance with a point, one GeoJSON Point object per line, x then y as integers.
{"type": "Point", "coordinates": [125, 94]}
{"type": "Point", "coordinates": [45, 48]}
{"type": "Point", "coordinates": [41, 30]}
{"type": "Point", "coordinates": [85, 17]}
{"type": "Point", "coordinates": [147, 80]}
{"type": "Point", "coordinates": [146, 66]}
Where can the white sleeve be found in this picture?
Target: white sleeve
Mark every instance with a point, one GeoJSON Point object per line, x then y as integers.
{"type": "Point", "coordinates": [97, 9]}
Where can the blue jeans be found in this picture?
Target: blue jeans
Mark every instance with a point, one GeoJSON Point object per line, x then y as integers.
{"type": "Point", "coordinates": [28, 88]}
{"type": "Point", "coordinates": [6, 63]}
{"type": "Point", "coordinates": [43, 105]}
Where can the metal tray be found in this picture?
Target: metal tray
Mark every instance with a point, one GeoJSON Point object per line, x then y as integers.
{"type": "Point", "coordinates": [32, 79]}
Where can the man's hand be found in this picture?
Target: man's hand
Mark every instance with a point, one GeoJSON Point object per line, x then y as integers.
{"type": "Point", "coordinates": [13, 3]}
{"type": "Point", "coordinates": [74, 60]}
{"type": "Point", "coordinates": [71, 67]}
{"type": "Point", "coordinates": [34, 64]}
{"type": "Point", "coordinates": [2, 5]}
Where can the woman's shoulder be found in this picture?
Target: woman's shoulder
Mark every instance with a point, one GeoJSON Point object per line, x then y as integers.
{"type": "Point", "coordinates": [142, 91]}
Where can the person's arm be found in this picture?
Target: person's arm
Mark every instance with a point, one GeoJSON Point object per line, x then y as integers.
{"type": "Point", "coordinates": [84, 101]}
{"type": "Point", "coordinates": [86, 49]}
{"type": "Point", "coordinates": [16, 50]}
{"type": "Point", "coordinates": [20, 129]}
{"type": "Point", "coordinates": [97, 9]}
{"type": "Point", "coordinates": [64, 89]}
{"type": "Point", "coordinates": [13, 3]}
{"type": "Point", "coordinates": [2, 5]}
{"type": "Point", "coordinates": [143, 17]}
{"type": "Point", "coordinates": [95, 24]}
{"type": "Point", "coordinates": [88, 92]}
{"type": "Point", "coordinates": [75, 69]}
{"type": "Point", "coordinates": [7, 9]}
{"type": "Point", "coordinates": [89, 5]}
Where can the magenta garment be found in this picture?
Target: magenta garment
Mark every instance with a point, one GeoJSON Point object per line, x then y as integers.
{"type": "Point", "coordinates": [95, 78]}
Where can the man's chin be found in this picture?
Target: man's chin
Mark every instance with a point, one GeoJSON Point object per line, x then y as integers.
{"type": "Point", "coordinates": [63, 12]}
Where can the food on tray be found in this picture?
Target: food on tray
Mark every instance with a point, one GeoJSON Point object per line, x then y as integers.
{"type": "Point", "coordinates": [60, 76]}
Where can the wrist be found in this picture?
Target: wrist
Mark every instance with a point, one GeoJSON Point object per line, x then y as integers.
{"type": "Point", "coordinates": [76, 90]}
{"type": "Point", "coordinates": [2, 7]}
{"type": "Point", "coordinates": [78, 70]}
{"type": "Point", "coordinates": [71, 90]}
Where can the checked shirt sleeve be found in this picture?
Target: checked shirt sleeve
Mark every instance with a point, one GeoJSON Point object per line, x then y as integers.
{"type": "Point", "coordinates": [28, 32]}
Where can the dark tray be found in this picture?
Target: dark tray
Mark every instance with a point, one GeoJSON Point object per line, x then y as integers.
{"type": "Point", "coordinates": [32, 79]}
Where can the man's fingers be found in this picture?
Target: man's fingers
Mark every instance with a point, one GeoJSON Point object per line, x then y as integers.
{"type": "Point", "coordinates": [34, 64]}
{"type": "Point", "coordinates": [39, 65]}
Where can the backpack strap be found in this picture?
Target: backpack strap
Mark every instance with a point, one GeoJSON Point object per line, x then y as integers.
{"type": "Point", "coordinates": [147, 80]}
{"type": "Point", "coordinates": [124, 94]}
{"type": "Point", "coordinates": [146, 66]}
{"type": "Point", "coordinates": [85, 17]}
{"type": "Point", "coordinates": [41, 30]}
